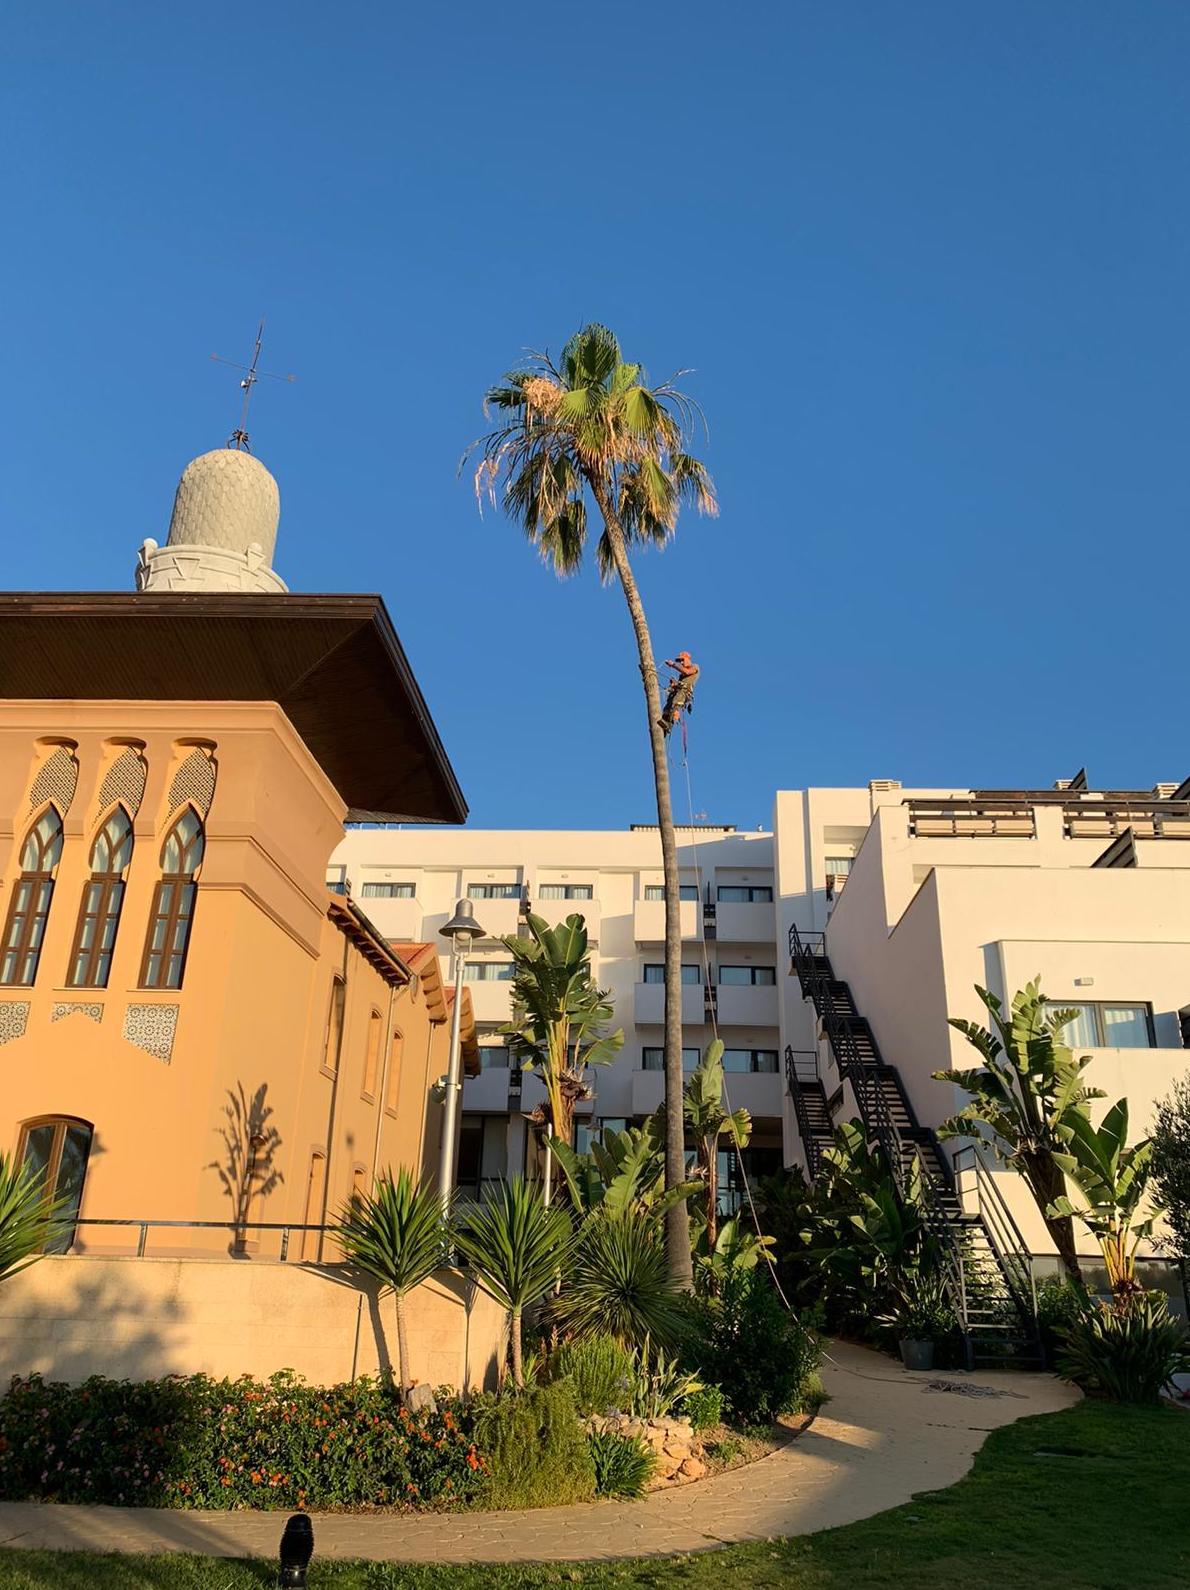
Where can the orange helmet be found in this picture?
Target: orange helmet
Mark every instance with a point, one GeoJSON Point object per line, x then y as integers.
{"type": "Point", "coordinates": [684, 656]}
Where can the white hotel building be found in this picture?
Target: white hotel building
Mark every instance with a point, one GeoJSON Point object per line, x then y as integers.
{"type": "Point", "coordinates": [921, 894]}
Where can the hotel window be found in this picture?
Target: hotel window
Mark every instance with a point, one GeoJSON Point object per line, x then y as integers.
{"type": "Point", "coordinates": [654, 1059]}
{"type": "Point", "coordinates": [839, 866]}
{"type": "Point", "coordinates": [173, 904]}
{"type": "Point", "coordinates": [656, 974]}
{"type": "Point", "coordinates": [31, 896]}
{"type": "Point", "coordinates": [393, 1087]}
{"type": "Point", "coordinates": [749, 1060]}
{"type": "Point", "coordinates": [656, 891]}
{"type": "Point", "coordinates": [493, 891]}
{"type": "Point", "coordinates": [487, 972]}
{"type": "Point", "coordinates": [334, 1024]}
{"type": "Point", "coordinates": [1099, 1025]}
{"type": "Point", "coordinates": [743, 976]}
{"type": "Point", "coordinates": [103, 895]}
{"type": "Point", "coordinates": [566, 891]}
{"type": "Point", "coordinates": [493, 1057]}
{"type": "Point", "coordinates": [387, 891]}
{"type": "Point", "coordinates": [372, 1055]}
{"type": "Point", "coordinates": [745, 894]}
{"type": "Point", "coordinates": [56, 1149]}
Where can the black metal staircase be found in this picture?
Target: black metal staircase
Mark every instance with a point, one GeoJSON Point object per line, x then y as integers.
{"type": "Point", "coordinates": [987, 1266]}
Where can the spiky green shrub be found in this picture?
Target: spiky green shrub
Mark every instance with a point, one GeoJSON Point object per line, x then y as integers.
{"type": "Point", "coordinates": [535, 1449]}
{"type": "Point", "coordinates": [1127, 1355]}
{"type": "Point", "coordinates": [623, 1463]}
{"type": "Point", "coordinates": [29, 1223]}
{"type": "Point", "coordinates": [601, 1373]}
{"type": "Point", "coordinates": [619, 1283]}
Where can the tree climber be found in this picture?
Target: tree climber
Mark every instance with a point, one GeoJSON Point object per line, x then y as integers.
{"type": "Point", "coordinates": [680, 696]}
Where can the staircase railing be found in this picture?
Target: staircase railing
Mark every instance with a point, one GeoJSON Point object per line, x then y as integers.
{"type": "Point", "coordinates": [978, 1194]}
{"type": "Point", "coordinates": [801, 1072]}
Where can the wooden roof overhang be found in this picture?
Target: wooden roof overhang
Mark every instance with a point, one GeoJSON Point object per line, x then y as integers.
{"type": "Point", "coordinates": [333, 664]}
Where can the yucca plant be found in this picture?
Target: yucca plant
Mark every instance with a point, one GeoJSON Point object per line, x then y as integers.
{"type": "Point", "coordinates": [396, 1235]}
{"type": "Point", "coordinates": [1129, 1355]}
{"type": "Point", "coordinates": [28, 1221]}
{"type": "Point", "coordinates": [619, 1283]}
{"type": "Point", "coordinates": [517, 1247]}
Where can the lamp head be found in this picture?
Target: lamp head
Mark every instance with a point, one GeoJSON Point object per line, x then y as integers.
{"type": "Point", "coordinates": [462, 925]}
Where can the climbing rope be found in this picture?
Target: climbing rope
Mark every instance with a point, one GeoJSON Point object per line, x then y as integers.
{"type": "Point", "coordinates": [743, 1170]}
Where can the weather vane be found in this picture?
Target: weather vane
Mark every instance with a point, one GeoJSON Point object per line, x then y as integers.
{"type": "Point", "coordinates": [251, 375]}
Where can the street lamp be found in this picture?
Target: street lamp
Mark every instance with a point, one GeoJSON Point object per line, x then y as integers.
{"type": "Point", "coordinates": [460, 930]}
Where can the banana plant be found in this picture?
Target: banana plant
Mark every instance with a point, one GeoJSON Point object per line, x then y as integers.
{"type": "Point", "coordinates": [707, 1121]}
{"type": "Point", "coordinates": [560, 1019]}
{"type": "Point", "coordinates": [1030, 1081]}
{"type": "Point", "coordinates": [1113, 1181]}
{"type": "Point", "coordinates": [735, 1249]}
{"type": "Point", "coordinates": [622, 1173]}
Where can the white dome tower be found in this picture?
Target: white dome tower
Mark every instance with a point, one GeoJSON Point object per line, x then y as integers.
{"type": "Point", "coordinates": [223, 529]}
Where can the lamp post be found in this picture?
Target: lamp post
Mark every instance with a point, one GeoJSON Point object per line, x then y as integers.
{"type": "Point", "coordinates": [460, 930]}
{"type": "Point", "coordinates": [297, 1547]}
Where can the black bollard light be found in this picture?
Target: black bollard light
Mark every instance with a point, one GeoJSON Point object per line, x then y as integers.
{"type": "Point", "coordinates": [297, 1547]}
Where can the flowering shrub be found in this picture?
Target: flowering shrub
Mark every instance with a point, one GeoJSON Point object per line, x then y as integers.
{"type": "Point", "coordinates": [198, 1442]}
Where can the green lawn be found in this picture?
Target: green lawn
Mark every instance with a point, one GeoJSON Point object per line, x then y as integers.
{"type": "Point", "coordinates": [1095, 1498]}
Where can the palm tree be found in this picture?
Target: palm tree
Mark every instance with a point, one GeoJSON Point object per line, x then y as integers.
{"type": "Point", "coordinates": [396, 1235]}
{"type": "Point", "coordinates": [708, 1122]}
{"type": "Point", "coordinates": [1028, 1084]}
{"type": "Point", "coordinates": [29, 1223]}
{"type": "Point", "coordinates": [590, 425]}
{"type": "Point", "coordinates": [516, 1245]}
{"type": "Point", "coordinates": [559, 1019]}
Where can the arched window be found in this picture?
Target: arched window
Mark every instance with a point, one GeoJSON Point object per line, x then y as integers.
{"type": "Point", "coordinates": [57, 1148]}
{"type": "Point", "coordinates": [103, 895]}
{"type": "Point", "coordinates": [30, 904]}
{"type": "Point", "coordinates": [173, 904]}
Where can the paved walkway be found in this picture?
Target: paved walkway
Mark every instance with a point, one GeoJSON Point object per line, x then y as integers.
{"type": "Point", "coordinates": [885, 1435]}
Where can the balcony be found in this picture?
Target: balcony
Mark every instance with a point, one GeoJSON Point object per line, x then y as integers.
{"type": "Point", "coordinates": [757, 1092]}
{"type": "Point", "coordinates": [558, 910]}
{"type": "Point", "coordinates": [745, 924]}
{"type": "Point", "coordinates": [394, 919]}
{"type": "Point", "coordinates": [746, 1006]}
{"type": "Point", "coordinates": [648, 921]}
{"type": "Point", "coordinates": [491, 1001]}
{"type": "Point", "coordinates": [649, 1004]}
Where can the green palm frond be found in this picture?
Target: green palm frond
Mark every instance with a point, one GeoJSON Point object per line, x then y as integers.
{"type": "Point", "coordinates": [29, 1223]}
{"type": "Point", "coordinates": [395, 1234]}
{"type": "Point", "coordinates": [619, 1284]}
{"type": "Point", "coordinates": [515, 1244]}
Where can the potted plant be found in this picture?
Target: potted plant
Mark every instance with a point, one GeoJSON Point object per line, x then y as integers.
{"type": "Point", "coordinates": [921, 1315]}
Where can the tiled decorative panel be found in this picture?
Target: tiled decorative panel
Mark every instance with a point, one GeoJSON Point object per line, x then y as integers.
{"type": "Point", "coordinates": [56, 781]}
{"type": "Point", "coordinates": [125, 782]}
{"type": "Point", "coordinates": [14, 1018]}
{"type": "Point", "coordinates": [152, 1028]}
{"type": "Point", "coordinates": [76, 1008]}
{"type": "Point", "coordinates": [194, 782]}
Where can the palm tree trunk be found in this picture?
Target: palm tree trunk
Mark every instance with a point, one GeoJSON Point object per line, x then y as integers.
{"type": "Point", "coordinates": [677, 1224]}
{"type": "Point", "coordinates": [514, 1333]}
{"type": "Point", "coordinates": [712, 1153]}
{"type": "Point", "coordinates": [402, 1348]}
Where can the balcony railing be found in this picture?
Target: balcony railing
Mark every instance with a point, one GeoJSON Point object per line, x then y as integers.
{"type": "Point", "coordinates": [1105, 819]}
{"type": "Point", "coordinates": [970, 819]}
{"type": "Point", "coordinates": [239, 1230]}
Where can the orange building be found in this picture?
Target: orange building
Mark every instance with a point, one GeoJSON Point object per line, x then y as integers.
{"type": "Point", "coordinates": [191, 1028]}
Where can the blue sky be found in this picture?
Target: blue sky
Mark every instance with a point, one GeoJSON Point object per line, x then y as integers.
{"type": "Point", "coordinates": [930, 263]}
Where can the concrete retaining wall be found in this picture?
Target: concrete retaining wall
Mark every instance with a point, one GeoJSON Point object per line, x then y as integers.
{"type": "Point", "coordinates": [137, 1319]}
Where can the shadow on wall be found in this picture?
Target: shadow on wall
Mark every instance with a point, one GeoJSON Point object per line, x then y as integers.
{"type": "Point", "coordinates": [39, 1334]}
{"type": "Point", "coordinates": [248, 1170]}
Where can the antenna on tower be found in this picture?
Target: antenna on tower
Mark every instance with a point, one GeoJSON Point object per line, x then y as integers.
{"type": "Point", "coordinates": [251, 375]}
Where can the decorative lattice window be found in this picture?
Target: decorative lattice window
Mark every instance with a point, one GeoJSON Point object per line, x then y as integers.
{"type": "Point", "coordinates": [125, 782]}
{"type": "Point", "coordinates": [29, 908]}
{"type": "Point", "coordinates": [103, 896]}
{"type": "Point", "coordinates": [194, 783]}
{"type": "Point", "coordinates": [56, 780]}
{"type": "Point", "coordinates": [172, 916]}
